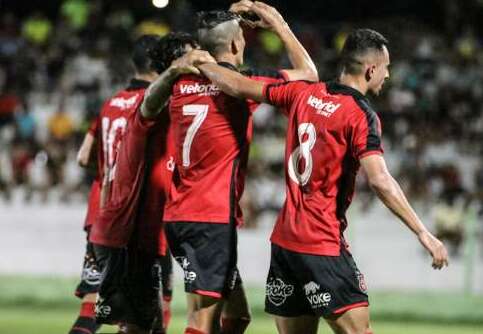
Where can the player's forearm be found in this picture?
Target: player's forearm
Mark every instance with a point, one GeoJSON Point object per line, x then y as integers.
{"type": "Point", "coordinates": [84, 154]}
{"type": "Point", "coordinates": [391, 194]}
{"type": "Point", "coordinates": [233, 83]}
{"type": "Point", "coordinates": [303, 66]}
{"type": "Point", "coordinates": [158, 93]}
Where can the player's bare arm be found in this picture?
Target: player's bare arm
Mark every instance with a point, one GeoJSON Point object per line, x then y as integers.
{"type": "Point", "coordinates": [303, 66]}
{"type": "Point", "coordinates": [157, 95]}
{"type": "Point", "coordinates": [233, 83]}
{"type": "Point", "coordinates": [85, 151]}
{"type": "Point", "coordinates": [391, 194]}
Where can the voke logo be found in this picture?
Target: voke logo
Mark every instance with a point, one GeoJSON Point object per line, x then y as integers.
{"type": "Point", "coordinates": [277, 291]}
{"type": "Point", "coordinates": [323, 108]}
{"type": "Point", "coordinates": [189, 275]}
{"type": "Point", "coordinates": [315, 297]}
{"type": "Point", "coordinates": [202, 90]}
{"type": "Point", "coordinates": [102, 311]}
{"type": "Point", "coordinates": [123, 103]}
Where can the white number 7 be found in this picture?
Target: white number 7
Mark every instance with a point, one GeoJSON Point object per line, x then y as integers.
{"type": "Point", "coordinates": [199, 111]}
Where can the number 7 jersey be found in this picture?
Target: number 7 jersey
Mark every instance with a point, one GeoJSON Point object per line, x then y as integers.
{"type": "Point", "coordinates": [331, 127]}
{"type": "Point", "coordinates": [212, 133]}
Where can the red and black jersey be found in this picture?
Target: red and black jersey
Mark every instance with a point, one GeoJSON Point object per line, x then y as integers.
{"type": "Point", "coordinates": [116, 115]}
{"type": "Point", "coordinates": [212, 133]}
{"type": "Point", "coordinates": [95, 192]}
{"type": "Point", "coordinates": [331, 127]}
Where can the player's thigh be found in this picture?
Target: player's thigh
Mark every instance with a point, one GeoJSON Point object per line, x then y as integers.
{"type": "Point", "coordinates": [353, 321]}
{"type": "Point", "coordinates": [306, 324]}
{"type": "Point", "coordinates": [236, 304]}
{"type": "Point", "coordinates": [202, 311]}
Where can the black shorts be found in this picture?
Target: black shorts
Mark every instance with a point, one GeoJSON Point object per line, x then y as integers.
{"type": "Point", "coordinates": [166, 274]}
{"type": "Point", "coordinates": [129, 289]}
{"type": "Point", "coordinates": [303, 284]}
{"type": "Point", "coordinates": [91, 276]}
{"type": "Point", "coordinates": [207, 253]}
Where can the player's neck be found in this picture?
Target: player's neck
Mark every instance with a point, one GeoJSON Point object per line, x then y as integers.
{"type": "Point", "coordinates": [227, 58]}
{"type": "Point", "coordinates": [356, 82]}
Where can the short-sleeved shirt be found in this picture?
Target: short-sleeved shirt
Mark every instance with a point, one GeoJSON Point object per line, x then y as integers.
{"type": "Point", "coordinates": [212, 133]}
{"type": "Point", "coordinates": [331, 127]}
{"type": "Point", "coordinates": [115, 118]}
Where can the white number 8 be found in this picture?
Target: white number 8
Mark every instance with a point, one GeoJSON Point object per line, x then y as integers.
{"type": "Point", "coordinates": [302, 151]}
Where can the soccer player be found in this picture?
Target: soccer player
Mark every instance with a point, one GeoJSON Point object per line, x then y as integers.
{"type": "Point", "coordinates": [90, 278]}
{"type": "Point", "coordinates": [332, 131]}
{"type": "Point", "coordinates": [212, 133]}
{"type": "Point", "coordinates": [127, 235]}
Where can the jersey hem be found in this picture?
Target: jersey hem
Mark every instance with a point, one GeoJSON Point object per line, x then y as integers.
{"type": "Point", "coordinates": [304, 249]}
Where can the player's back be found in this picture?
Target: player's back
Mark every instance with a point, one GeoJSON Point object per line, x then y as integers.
{"type": "Point", "coordinates": [211, 135]}
{"type": "Point", "coordinates": [330, 128]}
{"type": "Point", "coordinates": [116, 114]}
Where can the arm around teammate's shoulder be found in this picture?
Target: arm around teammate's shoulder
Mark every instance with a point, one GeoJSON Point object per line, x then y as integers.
{"type": "Point", "coordinates": [391, 194]}
{"type": "Point", "coordinates": [158, 93]}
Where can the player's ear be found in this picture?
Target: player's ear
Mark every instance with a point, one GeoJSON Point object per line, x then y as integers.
{"type": "Point", "coordinates": [370, 72]}
{"type": "Point", "coordinates": [234, 47]}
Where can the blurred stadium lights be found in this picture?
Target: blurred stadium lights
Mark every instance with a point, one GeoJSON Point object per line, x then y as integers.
{"type": "Point", "coordinates": [160, 3]}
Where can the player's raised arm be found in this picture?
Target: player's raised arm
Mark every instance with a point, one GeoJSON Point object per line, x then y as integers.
{"type": "Point", "coordinates": [233, 83]}
{"type": "Point", "coordinates": [391, 194]}
{"type": "Point", "coordinates": [303, 66]}
{"type": "Point", "coordinates": [158, 93]}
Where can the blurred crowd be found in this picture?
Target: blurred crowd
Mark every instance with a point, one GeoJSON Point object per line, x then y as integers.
{"type": "Point", "coordinates": [56, 71]}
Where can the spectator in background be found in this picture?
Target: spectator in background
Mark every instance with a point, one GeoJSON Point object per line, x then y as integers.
{"type": "Point", "coordinates": [37, 29]}
{"type": "Point", "coordinates": [76, 13]}
{"type": "Point", "coordinates": [9, 103]}
{"type": "Point", "coordinates": [60, 125]}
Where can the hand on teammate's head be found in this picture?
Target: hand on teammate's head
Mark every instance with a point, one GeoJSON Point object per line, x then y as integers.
{"type": "Point", "coordinates": [270, 18]}
{"type": "Point", "coordinates": [240, 7]}
{"type": "Point", "coordinates": [188, 62]}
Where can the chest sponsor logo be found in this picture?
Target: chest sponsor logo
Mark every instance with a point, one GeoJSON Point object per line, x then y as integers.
{"type": "Point", "coordinates": [315, 297]}
{"type": "Point", "coordinates": [122, 103]}
{"type": "Point", "coordinates": [202, 90]}
{"type": "Point", "coordinates": [323, 108]}
{"type": "Point", "coordinates": [277, 291]}
{"type": "Point", "coordinates": [189, 275]}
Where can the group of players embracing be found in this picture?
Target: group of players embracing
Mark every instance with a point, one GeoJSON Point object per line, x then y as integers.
{"type": "Point", "coordinates": [172, 151]}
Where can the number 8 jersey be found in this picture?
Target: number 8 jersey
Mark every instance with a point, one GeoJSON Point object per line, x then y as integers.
{"type": "Point", "coordinates": [212, 133]}
{"type": "Point", "coordinates": [331, 127]}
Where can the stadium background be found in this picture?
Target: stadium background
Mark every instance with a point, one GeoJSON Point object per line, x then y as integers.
{"type": "Point", "coordinates": [60, 59]}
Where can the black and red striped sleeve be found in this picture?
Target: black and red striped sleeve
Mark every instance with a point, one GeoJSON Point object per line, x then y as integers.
{"type": "Point", "coordinates": [366, 132]}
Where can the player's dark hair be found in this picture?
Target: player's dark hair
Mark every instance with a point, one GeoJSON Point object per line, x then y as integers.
{"type": "Point", "coordinates": [140, 55]}
{"type": "Point", "coordinates": [169, 48]}
{"type": "Point", "coordinates": [212, 39]}
{"type": "Point", "coordinates": [359, 43]}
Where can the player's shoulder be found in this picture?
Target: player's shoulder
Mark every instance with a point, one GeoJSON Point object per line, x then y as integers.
{"type": "Point", "coordinates": [353, 100]}
{"type": "Point", "coordinates": [191, 84]}
{"type": "Point", "coordinates": [261, 73]}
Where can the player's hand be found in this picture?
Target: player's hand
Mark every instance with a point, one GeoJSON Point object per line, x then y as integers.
{"type": "Point", "coordinates": [240, 7]}
{"type": "Point", "coordinates": [270, 18]}
{"type": "Point", "coordinates": [436, 248]}
{"type": "Point", "coordinates": [188, 62]}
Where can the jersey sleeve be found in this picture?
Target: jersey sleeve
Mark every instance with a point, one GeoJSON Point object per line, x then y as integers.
{"type": "Point", "coordinates": [283, 94]}
{"type": "Point", "coordinates": [366, 134]}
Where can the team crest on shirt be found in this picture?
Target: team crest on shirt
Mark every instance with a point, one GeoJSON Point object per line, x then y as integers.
{"type": "Point", "coordinates": [323, 108]}
{"type": "Point", "coordinates": [277, 291]}
{"type": "Point", "coordinates": [189, 275]}
{"type": "Point", "coordinates": [315, 297]}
